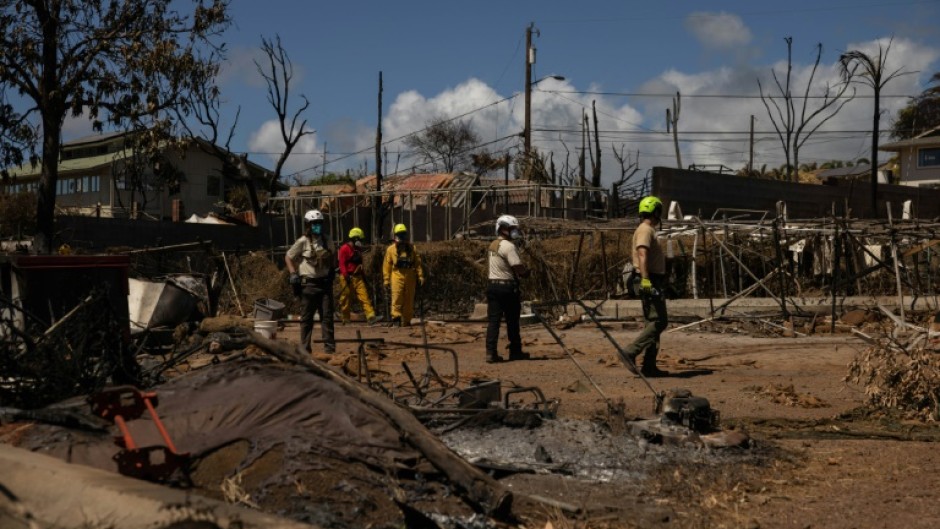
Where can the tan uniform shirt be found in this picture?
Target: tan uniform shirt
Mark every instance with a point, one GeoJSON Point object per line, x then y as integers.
{"type": "Point", "coordinates": [503, 259]}
{"type": "Point", "coordinates": [314, 257]}
{"type": "Point", "coordinates": [645, 235]}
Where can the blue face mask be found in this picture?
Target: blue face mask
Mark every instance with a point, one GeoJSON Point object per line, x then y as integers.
{"type": "Point", "coordinates": [317, 229]}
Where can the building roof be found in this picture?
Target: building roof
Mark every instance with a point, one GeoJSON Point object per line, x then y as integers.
{"type": "Point", "coordinates": [926, 138]}
{"type": "Point", "coordinates": [324, 189]}
{"type": "Point", "coordinates": [843, 172]}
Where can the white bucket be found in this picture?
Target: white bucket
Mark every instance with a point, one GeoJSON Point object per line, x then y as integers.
{"type": "Point", "coordinates": [268, 329]}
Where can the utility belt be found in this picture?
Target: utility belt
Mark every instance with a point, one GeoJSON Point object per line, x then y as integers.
{"type": "Point", "coordinates": [306, 280]}
{"type": "Point", "coordinates": [504, 282]}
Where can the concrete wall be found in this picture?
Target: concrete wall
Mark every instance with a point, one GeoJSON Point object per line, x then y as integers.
{"type": "Point", "coordinates": [701, 193]}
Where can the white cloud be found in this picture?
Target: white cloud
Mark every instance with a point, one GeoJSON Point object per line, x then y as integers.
{"type": "Point", "coordinates": [267, 140]}
{"type": "Point", "coordinates": [712, 130]}
{"type": "Point", "coordinates": [721, 31]}
{"type": "Point", "coordinates": [732, 115]}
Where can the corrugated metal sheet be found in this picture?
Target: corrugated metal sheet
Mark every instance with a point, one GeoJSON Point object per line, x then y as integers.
{"type": "Point", "coordinates": [328, 189]}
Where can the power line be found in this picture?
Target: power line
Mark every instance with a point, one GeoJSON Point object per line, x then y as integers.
{"type": "Point", "coordinates": [372, 148]}
{"type": "Point", "coordinates": [715, 96]}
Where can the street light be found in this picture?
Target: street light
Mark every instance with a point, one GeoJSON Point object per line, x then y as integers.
{"type": "Point", "coordinates": [527, 130]}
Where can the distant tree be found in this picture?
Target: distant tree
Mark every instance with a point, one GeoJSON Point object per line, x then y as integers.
{"type": "Point", "coordinates": [796, 123]}
{"type": "Point", "coordinates": [629, 166]}
{"type": "Point", "coordinates": [445, 144]}
{"type": "Point", "coordinates": [111, 60]}
{"type": "Point", "coordinates": [871, 70]}
{"type": "Point", "coordinates": [484, 162]}
{"type": "Point", "coordinates": [278, 72]}
{"type": "Point", "coordinates": [921, 114]}
{"type": "Point", "coordinates": [17, 214]}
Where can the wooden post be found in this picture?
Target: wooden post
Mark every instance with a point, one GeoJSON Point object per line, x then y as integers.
{"type": "Point", "coordinates": [836, 251]}
{"type": "Point", "coordinates": [574, 268]}
{"type": "Point", "coordinates": [781, 265]}
{"type": "Point", "coordinates": [894, 257]}
{"type": "Point", "coordinates": [604, 264]}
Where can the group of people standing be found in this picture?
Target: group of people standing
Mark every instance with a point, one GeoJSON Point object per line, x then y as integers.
{"type": "Point", "coordinates": [312, 267]}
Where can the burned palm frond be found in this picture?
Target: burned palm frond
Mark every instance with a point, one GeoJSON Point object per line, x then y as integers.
{"type": "Point", "coordinates": [901, 371]}
{"type": "Point", "coordinates": [76, 355]}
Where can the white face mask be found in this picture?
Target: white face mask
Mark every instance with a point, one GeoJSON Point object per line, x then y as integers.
{"type": "Point", "coordinates": [515, 234]}
{"type": "Point", "coordinates": [357, 243]}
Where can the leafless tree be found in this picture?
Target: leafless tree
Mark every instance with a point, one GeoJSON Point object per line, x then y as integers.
{"type": "Point", "coordinates": [278, 72]}
{"type": "Point", "coordinates": [628, 167]}
{"type": "Point", "coordinates": [445, 143]}
{"type": "Point", "coordinates": [794, 125]}
{"type": "Point", "coordinates": [871, 70]}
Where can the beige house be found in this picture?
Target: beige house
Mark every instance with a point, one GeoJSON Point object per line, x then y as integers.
{"type": "Point", "coordinates": [94, 179]}
{"type": "Point", "coordinates": [918, 159]}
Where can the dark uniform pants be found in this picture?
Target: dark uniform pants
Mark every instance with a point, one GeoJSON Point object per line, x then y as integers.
{"type": "Point", "coordinates": [317, 296]}
{"type": "Point", "coordinates": [654, 312]}
{"type": "Point", "coordinates": [503, 300]}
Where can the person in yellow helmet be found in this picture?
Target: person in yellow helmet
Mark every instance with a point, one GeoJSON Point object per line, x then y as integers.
{"type": "Point", "coordinates": [353, 279]}
{"type": "Point", "coordinates": [650, 261]}
{"type": "Point", "coordinates": [402, 273]}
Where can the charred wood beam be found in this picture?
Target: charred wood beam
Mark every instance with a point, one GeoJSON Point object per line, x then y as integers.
{"type": "Point", "coordinates": [479, 490]}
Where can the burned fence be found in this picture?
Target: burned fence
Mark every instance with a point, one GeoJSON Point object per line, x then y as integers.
{"type": "Point", "coordinates": [444, 213]}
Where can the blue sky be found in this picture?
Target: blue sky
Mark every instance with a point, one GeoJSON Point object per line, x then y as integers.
{"type": "Point", "coordinates": [445, 58]}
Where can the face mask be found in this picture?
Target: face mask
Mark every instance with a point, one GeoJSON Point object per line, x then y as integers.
{"type": "Point", "coordinates": [357, 243]}
{"type": "Point", "coordinates": [515, 234]}
{"type": "Point", "coordinates": [317, 229]}
{"type": "Point", "coordinates": [401, 237]}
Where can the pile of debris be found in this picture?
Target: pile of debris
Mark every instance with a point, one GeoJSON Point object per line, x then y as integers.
{"type": "Point", "coordinates": [901, 370]}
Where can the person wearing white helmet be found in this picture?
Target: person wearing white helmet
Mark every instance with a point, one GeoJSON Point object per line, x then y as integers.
{"type": "Point", "coordinates": [503, 298]}
{"type": "Point", "coordinates": [312, 264]}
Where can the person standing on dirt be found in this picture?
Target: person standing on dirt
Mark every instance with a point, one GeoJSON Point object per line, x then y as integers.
{"type": "Point", "coordinates": [650, 262]}
{"type": "Point", "coordinates": [353, 282]}
{"type": "Point", "coordinates": [402, 273]}
{"type": "Point", "coordinates": [312, 264]}
{"type": "Point", "coordinates": [503, 298]}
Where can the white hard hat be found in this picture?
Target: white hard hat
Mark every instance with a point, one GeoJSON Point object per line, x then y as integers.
{"type": "Point", "coordinates": [507, 220]}
{"type": "Point", "coordinates": [313, 215]}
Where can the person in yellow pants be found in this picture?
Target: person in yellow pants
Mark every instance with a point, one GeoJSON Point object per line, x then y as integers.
{"type": "Point", "coordinates": [402, 273]}
{"type": "Point", "coordinates": [353, 282]}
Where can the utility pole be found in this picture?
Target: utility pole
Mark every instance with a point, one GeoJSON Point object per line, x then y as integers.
{"type": "Point", "coordinates": [750, 159]}
{"type": "Point", "coordinates": [673, 121]}
{"type": "Point", "coordinates": [378, 142]}
{"type": "Point", "coordinates": [529, 61]}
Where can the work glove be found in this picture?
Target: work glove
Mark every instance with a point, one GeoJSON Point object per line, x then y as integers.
{"type": "Point", "coordinates": [420, 281]}
{"type": "Point", "coordinates": [294, 281]}
{"type": "Point", "coordinates": [646, 286]}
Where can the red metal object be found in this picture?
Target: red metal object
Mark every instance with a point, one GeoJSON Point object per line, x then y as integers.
{"type": "Point", "coordinates": [154, 463]}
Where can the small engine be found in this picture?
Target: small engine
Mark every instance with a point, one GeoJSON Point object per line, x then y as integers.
{"type": "Point", "coordinates": [678, 406]}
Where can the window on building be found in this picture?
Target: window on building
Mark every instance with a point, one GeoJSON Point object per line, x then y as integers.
{"type": "Point", "coordinates": [213, 185]}
{"type": "Point", "coordinates": [928, 157]}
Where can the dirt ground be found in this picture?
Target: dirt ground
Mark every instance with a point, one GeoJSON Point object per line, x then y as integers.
{"type": "Point", "coordinates": [819, 460]}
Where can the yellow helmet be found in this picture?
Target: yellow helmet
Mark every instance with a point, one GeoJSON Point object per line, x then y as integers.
{"type": "Point", "coordinates": [356, 233]}
{"type": "Point", "coordinates": [649, 205]}
{"type": "Point", "coordinates": [400, 228]}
